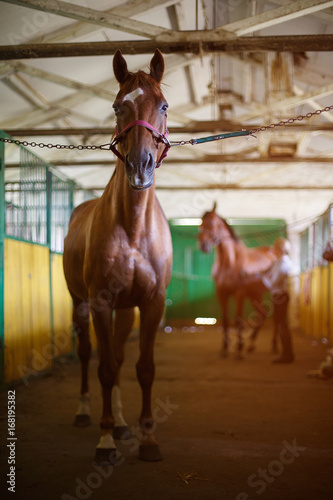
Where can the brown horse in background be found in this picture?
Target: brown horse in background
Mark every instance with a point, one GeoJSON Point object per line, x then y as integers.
{"type": "Point", "coordinates": [236, 274]}
{"type": "Point", "coordinates": [118, 255]}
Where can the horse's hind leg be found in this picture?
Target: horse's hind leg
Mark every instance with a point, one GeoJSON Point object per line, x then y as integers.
{"type": "Point", "coordinates": [124, 319]}
{"type": "Point", "coordinates": [81, 327]}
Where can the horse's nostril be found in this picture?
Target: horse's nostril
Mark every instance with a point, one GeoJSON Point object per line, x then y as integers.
{"type": "Point", "coordinates": [150, 161]}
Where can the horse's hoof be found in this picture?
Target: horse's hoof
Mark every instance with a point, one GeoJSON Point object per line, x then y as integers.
{"type": "Point", "coordinates": [121, 432]}
{"type": "Point", "coordinates": [82, 420]}
{"type": "Point", "coordinates": [251, 348]}
{"type": "Point", "coordinates": [105, 456]}
{"type": "Point", "coordinates": [150, 453]}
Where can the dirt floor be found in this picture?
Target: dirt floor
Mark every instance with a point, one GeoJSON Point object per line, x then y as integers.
{"type": "Point", "coordinates": [228, 429]}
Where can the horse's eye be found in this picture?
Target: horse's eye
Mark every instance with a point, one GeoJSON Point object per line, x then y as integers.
{"type": "Point", "coordinates": [164, 106]}
{"type": "Point", "coordinates": [115, 109]}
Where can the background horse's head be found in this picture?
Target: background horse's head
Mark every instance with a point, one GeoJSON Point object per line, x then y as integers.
{"type": "Point", "coordinates": [213, 231]}
{"type": "Point", "coordinates": [141, 112]}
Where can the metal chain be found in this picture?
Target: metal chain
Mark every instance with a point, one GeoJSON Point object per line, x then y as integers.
{"type": "Point", "coordinates": [283, 123]}
{"type": "Point", "coordinates": [103, 147]}
{"type": "Point", "coordinates": [50, 146]}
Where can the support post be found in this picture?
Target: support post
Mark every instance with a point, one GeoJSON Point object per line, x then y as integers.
{"type": "Point", "coordinates": [2, 261]}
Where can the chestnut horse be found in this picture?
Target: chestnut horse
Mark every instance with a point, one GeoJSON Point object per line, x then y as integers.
{"type": "Point", "coordinates": [118, 255]}
{"type": "Point", "coordinates": [236, 274]}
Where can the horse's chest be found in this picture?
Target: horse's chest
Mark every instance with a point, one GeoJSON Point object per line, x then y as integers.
{"type": "Point", "coordinates": [225, 278]}
{"type": "Point", "coordinates": [129, 276]}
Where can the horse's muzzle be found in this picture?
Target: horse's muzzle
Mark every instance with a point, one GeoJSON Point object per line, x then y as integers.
{"type": "Point", "coordinates": [140, 171]}
{"type": "Point", "coordinates": [205, 246]}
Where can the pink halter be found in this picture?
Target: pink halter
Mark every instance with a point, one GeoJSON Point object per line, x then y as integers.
{"type": "Point", "coordinates": [142, 123]}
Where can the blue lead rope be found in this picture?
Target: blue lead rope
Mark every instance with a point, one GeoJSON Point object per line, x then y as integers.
{"type": "Point", "coordinates": [211, 138]}
{"type": "Point", "coordinates": [220, 136]}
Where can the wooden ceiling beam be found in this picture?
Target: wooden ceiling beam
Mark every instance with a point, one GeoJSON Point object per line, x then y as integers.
{"type": "Point", "coordinates": [63, 107]}
{"type": "Point", "coordinates": [287, 103]}
{"type": "Point", "coordinates": [289, 43]}
{"type": "Point", "coordinates": [324, 16]}
{"type": "Point", "coordinates": [91, 90]}
{"type": "Point", "coordinates": [196, 127]}
{"type": "Point", "coordinates": [92, 16]}
{"type": "Point", "coordinates": [80, 29]}
{"type": "Point", "coordinates": [272, 17]}
{"type": "Point", "coordinates": [227, 187]}
{"type": "Point", "coordinates": [189, 161]}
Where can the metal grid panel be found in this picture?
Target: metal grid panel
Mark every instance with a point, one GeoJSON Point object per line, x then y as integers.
{"type": "Point", "coordinates": [61, 208]}
{"type": "Point", "coordinates": [26, 200]}
{"type": "Point", "coordinates": [314, 240]}
{"type": "Point", "coordinates": [39, 202]}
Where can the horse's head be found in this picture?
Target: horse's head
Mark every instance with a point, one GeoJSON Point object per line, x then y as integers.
{"type": "Point", "coordinates": [213, 231]}
{"type": "Point", "coordinates": [210, 231]}
{"type": "Point", "coordinates": [141, 112]}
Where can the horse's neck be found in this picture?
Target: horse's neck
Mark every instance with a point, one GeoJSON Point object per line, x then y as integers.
{"type": "Point", "coordinates": [133, 210]}
{"type": "Point", "coordinates": [228, 249]}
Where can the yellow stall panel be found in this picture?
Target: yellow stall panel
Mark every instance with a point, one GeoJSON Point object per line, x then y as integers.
{"type": "Point", "coordinates": [316, 302]}
{"type": "Point", "coordinates": [330, 301]}
{"type": "Point", "coordinates": [28, 346]}
{"type": "Point", "coordinates": [305, 303]}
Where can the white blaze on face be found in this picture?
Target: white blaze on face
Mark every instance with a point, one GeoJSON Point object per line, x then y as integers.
{"type": "Point", "coordinates": [133, 95]}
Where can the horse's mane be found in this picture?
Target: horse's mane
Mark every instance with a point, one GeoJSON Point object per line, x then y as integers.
{"type": "Point", "coordinates": [230, 229]}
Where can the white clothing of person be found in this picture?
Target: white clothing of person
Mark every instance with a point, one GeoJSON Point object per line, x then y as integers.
{"type": "Point", "coordinates": [276, 279]}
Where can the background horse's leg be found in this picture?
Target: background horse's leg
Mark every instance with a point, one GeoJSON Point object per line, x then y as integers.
{"type": "Point", "coordinates": [81, 327]}
{"type": "Point", "coordinates": [151, 315]}
{"type": "Point", "coordinates": [107, 373]}
{"type": "Point", "coordinates": [259, 321]}
{"type": "Point", "coordinates": [275, 347]}
{"type": "Point", "coordinates": [225, 327]}
{"type": "Point", "coordinates": [239, 325]}
{"type": "Point", "coordinates": [124, 319]}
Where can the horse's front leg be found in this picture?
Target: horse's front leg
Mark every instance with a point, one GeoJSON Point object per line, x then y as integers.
{"type": "Point", "coordinates": [107, 373]}
{"type": "Point", "coordinates": [239, 325]}
{"type": "Point", "coordinates": [225, 326]}
{"type": "Point", "coordinates": [124, 319]}
{"type": "Point", "coordinates": [151, 315]}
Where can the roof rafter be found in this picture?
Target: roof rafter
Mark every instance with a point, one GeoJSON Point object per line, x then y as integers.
{"type": "Point", "coordinates": [81, 13]}
{"type": "Point", "coordinates": [236, 158]}
{"type": "Point", "coordinates": [91, 90]}
{"type": "Point", "coordinates": [60, 108]}
{"type": "Point", "coordinates": [253, 23]}
{"type": "Point", "coordinates": [79, 29]}
{"type": "Point", "coordinates": [188, 43]}
{"type": "Point", "coordinates": [289, 102]}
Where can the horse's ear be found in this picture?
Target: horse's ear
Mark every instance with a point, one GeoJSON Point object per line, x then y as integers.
{"type": "Point", "coordinates": [157, 66]}
{"type": "Point", "coordinates": [120, 67]}
{"type": "Point", "coordinates": [214, 206]}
